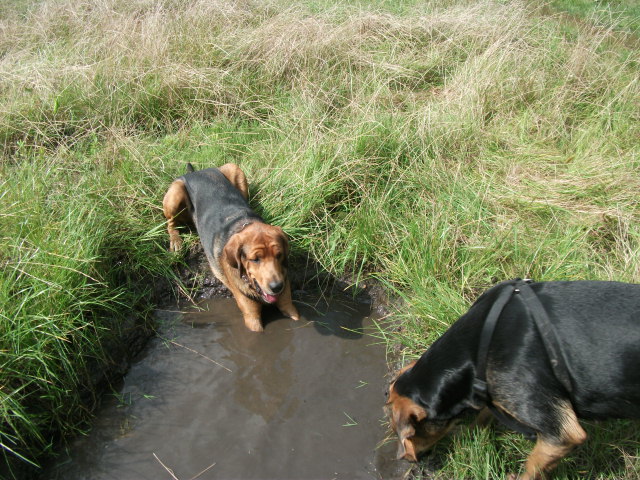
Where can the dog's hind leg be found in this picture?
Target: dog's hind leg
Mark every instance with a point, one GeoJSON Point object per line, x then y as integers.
{"type": "Point", "coordinates": [176, 208]}
{"type": "Point", "coordinates": [237, 178]}
{"type": "Point", "coordinates": [548, 451]}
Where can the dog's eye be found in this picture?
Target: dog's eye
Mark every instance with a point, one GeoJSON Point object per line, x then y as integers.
{"type": "Point", "coordinates": [255, 260]}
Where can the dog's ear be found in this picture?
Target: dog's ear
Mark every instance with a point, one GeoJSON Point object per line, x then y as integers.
{"type": "Point", "coordinates": [284, 242]}
{"type": "Point", "coordinates": [407, 415]}
{"type": "Point", "coordinates": [407, 450]}
{"type": "Point", "coordinates": [233, 253]}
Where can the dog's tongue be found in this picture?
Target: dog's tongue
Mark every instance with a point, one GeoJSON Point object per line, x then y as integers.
{"type": "Point", "coordinates": [270, 298]}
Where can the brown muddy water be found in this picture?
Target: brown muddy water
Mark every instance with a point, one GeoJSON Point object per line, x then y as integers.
{"type": "Point", "coordinates": [211, 400]}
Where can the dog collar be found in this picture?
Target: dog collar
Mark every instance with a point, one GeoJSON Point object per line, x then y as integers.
{"type": "Point", "coordinates": [240, 223]}
{"type": "Point", "coordinates": [243, 226]}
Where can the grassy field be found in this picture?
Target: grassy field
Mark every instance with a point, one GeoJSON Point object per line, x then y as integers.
{"type": "Point", "coordinates": [437, 147]}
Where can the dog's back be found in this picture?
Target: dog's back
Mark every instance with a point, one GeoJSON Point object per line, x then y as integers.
{"type": "Point", "coordinates": [218, 207]}
{"type": "Point", "coordinates": [598, 328]}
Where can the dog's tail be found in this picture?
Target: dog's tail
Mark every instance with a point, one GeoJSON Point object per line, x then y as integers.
{"type": "Point", "coordinates": [190, 168]}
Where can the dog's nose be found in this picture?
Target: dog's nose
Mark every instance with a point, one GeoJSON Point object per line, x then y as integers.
{"type": "Point", "coordinates": [276, 287]}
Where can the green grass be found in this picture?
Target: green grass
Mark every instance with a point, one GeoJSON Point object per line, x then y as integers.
{"type": "Point", "coordinates": [623, 15]}
{"type": "Point", "coordinates": [77, 260]}
{"type": "Point", "coordinates": [437, 147]}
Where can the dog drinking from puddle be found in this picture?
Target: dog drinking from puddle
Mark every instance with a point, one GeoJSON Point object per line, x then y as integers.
{"type": "Point", "coordinates": [246, 254]}
{"type": "Point", "coordinates": [536, 355]}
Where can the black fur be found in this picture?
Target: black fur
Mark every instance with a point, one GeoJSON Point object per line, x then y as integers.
{"type": "Point", "coordinates": [598, 326]}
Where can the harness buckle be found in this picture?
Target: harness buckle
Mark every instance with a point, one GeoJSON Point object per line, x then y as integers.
{"type": "Point", "coordinates": [480, 388]}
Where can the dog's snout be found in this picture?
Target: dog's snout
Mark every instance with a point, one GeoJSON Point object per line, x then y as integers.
{"type": "Point", "coordinates": [276, 286]}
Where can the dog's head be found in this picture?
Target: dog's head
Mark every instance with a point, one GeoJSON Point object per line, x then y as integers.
{"type": "Point", "coordinates": [260, 252]}
{"type": "Point", "coordinates": [417, 432]}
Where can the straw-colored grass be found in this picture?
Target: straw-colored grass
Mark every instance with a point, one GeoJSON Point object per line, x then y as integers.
{"type": "Point", "coordinates": [435, 146]}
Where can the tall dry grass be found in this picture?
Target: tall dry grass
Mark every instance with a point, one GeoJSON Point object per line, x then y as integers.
{"type": "Point", "coordinates": [435, 146]}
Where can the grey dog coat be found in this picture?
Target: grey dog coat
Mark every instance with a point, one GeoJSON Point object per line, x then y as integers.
{"type": "Point", "coordinates": [219, 211]}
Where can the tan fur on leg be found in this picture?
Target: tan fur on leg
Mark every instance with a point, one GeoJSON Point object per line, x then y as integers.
{"type": "Point", "coordinates": [176, 207]}
{"type": "Point", "coordinates": [547, 453]}
{"type": "Point", "coordinates": [236, 177]}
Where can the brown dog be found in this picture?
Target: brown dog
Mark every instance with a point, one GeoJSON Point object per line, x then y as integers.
{"type": "Point", "coordinates": [538, 357]}
{"type": "Point", "coordinates": [246, 254]}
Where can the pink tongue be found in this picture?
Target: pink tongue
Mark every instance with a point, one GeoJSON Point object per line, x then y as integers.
{"type": "Point", "coordinates": [270, 298]}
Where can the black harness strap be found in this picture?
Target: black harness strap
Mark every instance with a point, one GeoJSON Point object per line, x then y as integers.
{"type": "Point", "coordinates": [490, 322]}
{"type": "Point", "coordinates": [549, 339]}
{"type": "Point", "coordinates": [480, 391]}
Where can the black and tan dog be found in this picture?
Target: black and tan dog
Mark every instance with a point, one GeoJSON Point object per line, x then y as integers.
{"type": "Point", "coordinates": [539, 356]}
{"type": "Point", "coordinates": [246, 254]}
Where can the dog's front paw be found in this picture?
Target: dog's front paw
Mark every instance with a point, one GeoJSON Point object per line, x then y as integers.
{"type": "Point", "coordinates": [289, 309]}
{"type": "Point", "coordinates": [175, 243]}
{"type": "Point", "coordinates": [254, 324]}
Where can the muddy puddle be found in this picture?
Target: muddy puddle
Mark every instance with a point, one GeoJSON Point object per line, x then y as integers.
{"type": "Point", "coordinates": [211, 400]}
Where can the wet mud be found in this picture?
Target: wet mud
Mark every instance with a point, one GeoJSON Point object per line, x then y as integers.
{"type": "Point", "coordinates": [209, 399]}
